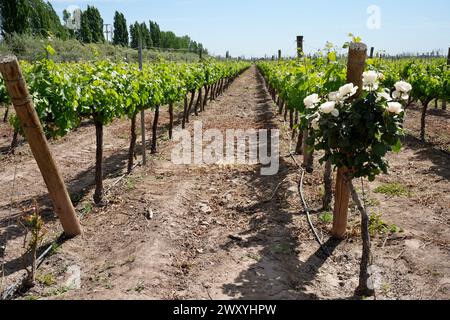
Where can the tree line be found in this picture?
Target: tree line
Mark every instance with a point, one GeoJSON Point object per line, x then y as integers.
{"type": "Point", "coordinates": [38, 18]}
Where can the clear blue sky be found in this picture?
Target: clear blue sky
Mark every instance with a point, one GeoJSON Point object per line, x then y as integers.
{"type": "Point", "coordinates": [259, 27]}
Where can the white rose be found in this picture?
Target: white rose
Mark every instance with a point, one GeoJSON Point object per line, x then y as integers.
{"type": "Point", "coordinates": [328, 107]}
{"type": "Point", "coordinates": [384, 95]}
{"type": "Point", "coordinates": [395, 107]}
{"type": "Point", "coordinates": [311, 100]}
{"type": "Point", "coordinates": [370, 77]}
{"type": "Point", "coordinates": [403, 86]}
{"type": "Point", "coordinates": [348, 90]}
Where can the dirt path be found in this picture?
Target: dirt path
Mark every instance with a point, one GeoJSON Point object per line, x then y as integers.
{"type": "Point", "coordinates": [220, 232]}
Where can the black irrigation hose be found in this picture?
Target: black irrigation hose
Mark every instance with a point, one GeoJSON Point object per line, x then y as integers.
{"type": "Point", "coordinates": [308, 214]}
{"type": "Point", "coordinates": [302, 197]}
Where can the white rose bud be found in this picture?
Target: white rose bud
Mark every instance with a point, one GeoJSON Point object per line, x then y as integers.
{"type": "Point", "coordinates": [395, 107]}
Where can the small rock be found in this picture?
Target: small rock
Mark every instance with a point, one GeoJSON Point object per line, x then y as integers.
{"type": "Point", "coordinates": [73, 281]}
{"type": "Point", "coordinates": [149, 214]}
{"type": "Point", "coordinates": [205, 208]}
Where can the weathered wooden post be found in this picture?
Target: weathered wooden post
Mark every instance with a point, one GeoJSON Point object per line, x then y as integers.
{"type": "Point", "coordinates": [299, 46]}
{"type": "Point", "coordinates": [448, 57]}
{"type": "Point", "coordinates": [356, 63]}
{"type": "Point", "coordinates": [33, 131]}
{"type": "Point", "coordinates": [144, 154]}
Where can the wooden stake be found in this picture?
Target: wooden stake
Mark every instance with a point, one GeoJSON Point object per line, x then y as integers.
{"type": "Point", "coordinates": [279, 55]}
{"type": "Point", "coordinates": [356, 63]}
{"type": "Point", "coordinates": [33, 131]}
{"type": "Point", "coordinates": [299, 46]}
{"type": "Point", "coordinates": [372, 50]}
{"type": "Point", "coordinates": [448, 57]}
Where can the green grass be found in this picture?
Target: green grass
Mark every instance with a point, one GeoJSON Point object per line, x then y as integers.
{"type": "Point", "coordinates": [87, 208]}
{"type": "Point", "coordinates": [326, 217]}
{"type": "Point", "coordinates": [393, 189]}
{"type": "Point", "coordinates": [254, 256]}
{"type": "Point", "coordinates": [46, 279]}
{"type": "Point", "coordinates": [378, 226]}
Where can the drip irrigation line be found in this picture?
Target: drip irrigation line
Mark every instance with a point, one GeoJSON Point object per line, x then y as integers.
{"type": "Point", "coordinates": [302, 197]}
{"type": "Point", "coordinates": [306, 207]}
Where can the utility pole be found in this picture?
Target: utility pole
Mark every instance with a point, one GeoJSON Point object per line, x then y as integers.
{"type": "Point", "coordinates": [107, 31]}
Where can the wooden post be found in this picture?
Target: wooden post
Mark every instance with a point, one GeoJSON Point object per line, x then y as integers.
{"type": "Point", "coordinates": [448, 57]}
{"type": "Point", "coordinates": [356, 63]}
{"type": "Point", "coordinates": [33, 131]}
{"type": "Point", "coordinates": [144, 154]}
{"type": "Point", "coordinates": [372, 50]}
{"type": "Point", "coordinates": [279, 55]}
{"type": "Point", "coordinates": [299, 46]}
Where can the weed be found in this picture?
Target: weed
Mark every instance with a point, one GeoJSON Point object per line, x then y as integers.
{"type": "Point", "coordinates": [139, 288]}
{"type": "Point", "coordinates": [55, 248]}
{"type": "Point", "coordinates": [393, 189]}
{"type": "Point", "coordinates": [378, 226]}
{"type": "Point", "coordinates": [130, 184]}
{"type": "Point", "coordinates": [373, 202]}
{"type": "Point", "coordinates": [326, 217]}
{"type": "Point", "coordinates": [254, 256]}
{"type": "Point", "coordinates": [46, 279]}
{"type": "Point", "coordinates": [57, 292]}
{"type": "Point", "coordinates": [33, 223]}
{"type": "Point", "coordinates": [87, 208]}
{"type": "Point", "coordinates": [385, 288]}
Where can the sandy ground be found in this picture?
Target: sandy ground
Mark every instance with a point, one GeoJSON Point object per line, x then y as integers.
{"type": "Point", "coordinates": [222, 232]}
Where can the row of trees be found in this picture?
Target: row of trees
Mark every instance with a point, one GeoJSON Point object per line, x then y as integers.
{"type": "Point", "coordinates": [150, 36]}
{"type": "Point", "coordinates": [30, 16]}
{"type": "Point", "coordinates": [38, 17]}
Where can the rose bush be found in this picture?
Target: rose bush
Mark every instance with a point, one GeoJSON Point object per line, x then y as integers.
{"type": "Point", "coordinates": [357, 133]}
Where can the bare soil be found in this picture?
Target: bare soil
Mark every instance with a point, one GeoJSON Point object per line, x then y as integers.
{"type": "Point", "coordinates": [226, 232]}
